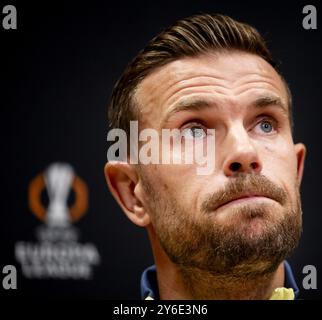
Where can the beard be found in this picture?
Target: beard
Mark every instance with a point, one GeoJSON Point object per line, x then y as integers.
{"type": "Point", "coordinates": [251, 241]}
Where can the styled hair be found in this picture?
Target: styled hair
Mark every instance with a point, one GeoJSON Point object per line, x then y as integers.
{"type": "Point", "coordinates": [189, 37]}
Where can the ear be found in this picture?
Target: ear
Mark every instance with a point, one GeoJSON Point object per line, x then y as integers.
{"type": "Point", "coordinates": [300, 151]}
{"type": "Point", "coordinates": [123, 182]}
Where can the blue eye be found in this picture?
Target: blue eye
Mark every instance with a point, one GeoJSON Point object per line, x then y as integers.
{"type": "Point", "coordinates": [194, 133]}
{"type": "Point", "coordinates": [266, 126]}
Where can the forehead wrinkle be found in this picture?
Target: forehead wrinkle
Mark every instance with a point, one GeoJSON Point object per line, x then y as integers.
{"type": "Point", "coordinates": [172, 74]}
{"type": "Point", "coordinates": [221, 82]}
{"type": "Point", "coordinates": [223, 90]}
{"type": "Point", "coordinates": [209, 89]}
{"type": "Point", "coordinates": [177, 77]}
{"type": "Point", "coordinates": [256, 75]}
{"type": "Point", "coordinates": [274, 91]}
{"type": "Point", "coordinates": [241, 91]}
{"type": "Point", "coordinates": [260, 79]}
{"type": "Point", "coordinates": [195, 101]}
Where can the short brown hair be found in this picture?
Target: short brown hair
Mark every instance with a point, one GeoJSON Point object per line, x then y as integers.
{"type": "Point", "coordinates": [186, 38]}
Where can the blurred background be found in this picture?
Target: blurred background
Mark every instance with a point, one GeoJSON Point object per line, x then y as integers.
{"type": "Point", "coordinates": [57, 71]}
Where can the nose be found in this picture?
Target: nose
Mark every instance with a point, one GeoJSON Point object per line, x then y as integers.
{"type": "Point", "coordinates": [242, 156]}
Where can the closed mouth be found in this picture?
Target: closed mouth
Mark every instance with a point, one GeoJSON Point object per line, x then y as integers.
{"type": "Point", "coordinates": [241, 198]}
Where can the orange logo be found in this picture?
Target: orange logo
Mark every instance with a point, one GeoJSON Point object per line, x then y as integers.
{"type": "Point", "coordinates": [58, 179]}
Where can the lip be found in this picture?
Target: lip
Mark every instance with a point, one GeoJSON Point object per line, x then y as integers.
{"type": "Point", "coordinates": [243, 198]}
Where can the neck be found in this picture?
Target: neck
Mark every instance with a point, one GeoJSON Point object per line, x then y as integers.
{"type": "Point", "coordinates": [196, 284]}
{"type": "Point", "coordinates": [180, 283]}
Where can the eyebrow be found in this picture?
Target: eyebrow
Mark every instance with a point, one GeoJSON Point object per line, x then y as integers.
{"type": "Point", "coordinates": [190, 104]}
{"type": "Point", "coordinates": [270, 100]}
{"type": "Point", "coordinates": [198, 104]}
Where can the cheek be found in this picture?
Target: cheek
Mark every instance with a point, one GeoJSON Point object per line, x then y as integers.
{"type": "Point", "coordinates": [280, 164]}
{"type": "Point", "coordinates": [166, 179]}
{"type": "Point", "coordinates": [179, 182]}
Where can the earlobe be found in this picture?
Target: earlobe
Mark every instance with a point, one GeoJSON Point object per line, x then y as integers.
{"type": "Point", "coordinates": [123, 182]}
{"type": "Point", "coordinates": [300, 151]}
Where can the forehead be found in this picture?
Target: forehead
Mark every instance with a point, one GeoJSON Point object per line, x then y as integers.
{"type": "Point", "coordinates": [231, 76]}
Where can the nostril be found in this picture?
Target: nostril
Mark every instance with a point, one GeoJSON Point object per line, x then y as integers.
{"type": "Point", "coordinates": [235, 166]}
{"type": "Point", "coordinates": [254, 165]}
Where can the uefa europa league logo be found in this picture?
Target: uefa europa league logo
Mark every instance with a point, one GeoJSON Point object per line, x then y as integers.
{"type": "Point", "coordinates": [58, 180]}
{"type": "Point", "coordinates": [58, 197]}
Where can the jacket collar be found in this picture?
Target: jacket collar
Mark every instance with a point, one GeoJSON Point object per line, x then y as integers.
{"type": "Point", "coordinates": [149, 283]}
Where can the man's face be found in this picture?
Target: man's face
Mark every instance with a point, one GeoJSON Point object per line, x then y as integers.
{"type": "Point", "coordinates": [246, 215]}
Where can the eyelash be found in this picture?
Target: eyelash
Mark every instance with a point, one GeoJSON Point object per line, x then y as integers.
{"type": "Point", "coordinates": [192, 124]}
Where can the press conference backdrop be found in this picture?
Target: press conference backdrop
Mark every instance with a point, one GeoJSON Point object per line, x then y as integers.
{"type": "Point", "coordinates": [60, 227]}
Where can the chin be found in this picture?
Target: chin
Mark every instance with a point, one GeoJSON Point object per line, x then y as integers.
{"type": "Point", "coordinates": [254, 228]}
{"type": "Point", "coordinates": [251, 221]}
